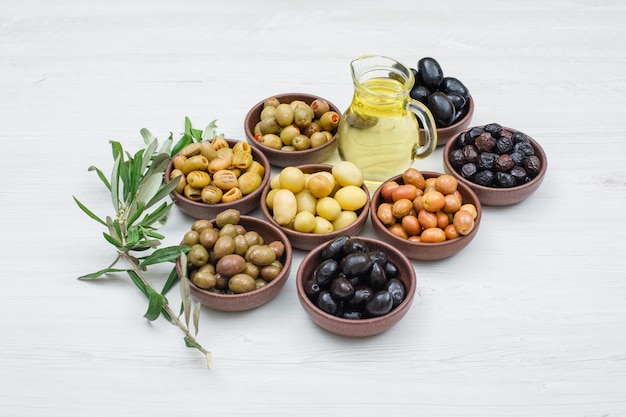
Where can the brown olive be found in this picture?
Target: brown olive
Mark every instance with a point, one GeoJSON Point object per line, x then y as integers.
{"type": "Point", "coordinates": [230, 265]}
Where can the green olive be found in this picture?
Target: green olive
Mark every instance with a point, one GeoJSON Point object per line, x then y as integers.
{"type": "Point", "coordinates": [225, 245]}
{"type": "Point", "coordinates": [288, 133]}
{"type": "Point", "coordinates": [278, 247]}
{"type": "Point", "coordinates": [268, 112]}
{"type": "Point", "coordinates": [204, 280]}
{"type": "Point", "coordinates": [303, 115]}
{"type": "Point", "coordinates": [241, 283]}
{"type": "Point", "coordinates": [198, 255]}
{"type": "Point", "coordinates": [260, 283]}
{"type": "Point", "coordinates": [301, 142]}
{"type": "Point", "coordinates": [284, 114]}
{"type": "Point", "coordinates": [254, 238]}
{"type": "Point", "coordinates": [241, 245]}
{"type": "Point", "coordinates": [270, 272]}
{"type": "Point", "coordinates": [329, 120]}
{"type": "Point", "coordinates": [201, 224]}
{"type": "Point", "coordinates": [267, 126]}
{"type": "Point", "coordinates": [228, 230]}
{"type": "Point", "coordinates": [228, 216]}
{"type": "Point", "coordinates": [191, 238]}
{"type": "Point", "coordinates": [251, 269]}
{"type": "Point", "coordinates": [261, 255]}
{"type": "Point", "coordinates": [208, 237]}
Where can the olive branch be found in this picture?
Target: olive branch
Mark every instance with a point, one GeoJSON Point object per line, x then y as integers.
{"type": "Point", "coordinates": [137, 185]}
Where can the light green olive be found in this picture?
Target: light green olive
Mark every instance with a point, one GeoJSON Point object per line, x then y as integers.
{"type": "Point", "coordinates": [198, 255]}
{"type": "Point", "coordinates": [204, 280]}
{"type": "Point", "coordinates": [225, 245]}
{"type": "Point", "coordinates": [191, 238]}
{"type": "Point", "coordinates": [228, 216]}
{"type": "Point", "coordinates": [241, 283]}
{"type": "Point", "coordinates": [261, 255]}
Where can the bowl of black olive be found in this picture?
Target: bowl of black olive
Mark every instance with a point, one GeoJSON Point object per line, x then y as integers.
{"type": "Point", "coordinates": [356, 286]}
{"type": "Point", "coordinates": [503, 166]}
{"type": "Point", "coordinates": [447, 98]}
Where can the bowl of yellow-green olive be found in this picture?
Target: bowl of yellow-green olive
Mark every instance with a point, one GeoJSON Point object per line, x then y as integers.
{"type": "Point", "coordinates": [356, 286]}
{"type": "Point", "coordinates": [427, 215]}
{"type": "Point", "coordinates": [315, 203]}
{"type": "Point", "coordinates": [293, 129]}
{"type": "Point", "coordinates": [235, 262]}
{"type": "Point", "coordinates": [218, 174]}
{"type": "Point", "coordinates": [503, 166]}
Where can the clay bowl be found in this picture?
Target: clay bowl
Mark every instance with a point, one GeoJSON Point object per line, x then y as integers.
{"type": "Point", "coordinates": [444, 134]}
{"type": "Point", "coordinates": [420, 250]}
{"type": "Point", "coordinates": [497, 196]}
{"type": "Point", "coordinates": [367, 326]}
{"type": "Point", "coordinates": [255, 298]}
{"type": "Point", "coordinates": [307, 241]}
{"type": "Point", "coordinates": [279, 158]}
{"type": "Point", "coordinates": [200, 210]}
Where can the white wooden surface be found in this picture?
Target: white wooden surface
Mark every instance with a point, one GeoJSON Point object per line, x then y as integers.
{"type": "Point", "coordinates": [529, 320]}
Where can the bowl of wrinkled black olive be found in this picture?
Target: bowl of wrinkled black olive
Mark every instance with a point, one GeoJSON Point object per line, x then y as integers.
{"type": "Point", "coordinates": [356, 286]}
{"type": "Point", "coordinates": [293, 128]}
{"type": "Point", "coordinates": [503, 166]}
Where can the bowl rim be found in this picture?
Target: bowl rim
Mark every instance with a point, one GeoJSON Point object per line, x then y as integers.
{"type": "Point", "coordinates": [257, 155]}
{"type": "Point", "coordinates": [401, 309]}
{"type": "Point", "coordinates": [429, 174]}
{"type": "Point", "coordinates": [449, 147]}
{"type": "Point", "coordinates": [280, 280]}
{"type": "Point", "coordinates": [290, 232]}
{"type": "Point", "coordinates": [249, 133]}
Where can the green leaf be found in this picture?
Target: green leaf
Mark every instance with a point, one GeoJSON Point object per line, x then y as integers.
{"type": "Point", "coordinates": [168, 254]}
{"type": "Point", "coordinates": [101, 176]}
{"type": "Point", "coordinates": [115, 183]}
{"type": "Point", "coordinates": [171, 280]}
{"type": "Point", "coordinates": [112, 240]}
{"type": "Point", "coordinates": [136, 209]}
{"type": "Point", "coordinates": [191, 343]}
{"type": "Point", "coordinates": [164, 191]}
{"type": "Point", "coordinates": [209, 131]}
{"type": "Point", "coordinates": [133, 236]}
{"type": "Point", "coordinates": [89, 212]}
{"type": "Point", "coordinates": [188, 125]}
{"type": "Point", "coordinates": [166, 146]}
{"type": "Point", "coordinates": [148, 188]}
{"type": "Point", "coordinates": [99, 273]}
{"type": "Point", "coordinates": [146, 135]}
{"type": "Point", "coordinates": [155, 305]}
{"type": "Point", "coordinates": [148, 154]}
{"type": "Point", "coordinates": [159, 215]}
{"type": "Point", "coordinates": [138, 282]}
{"type": "Point", "coordinates": [152, 233]}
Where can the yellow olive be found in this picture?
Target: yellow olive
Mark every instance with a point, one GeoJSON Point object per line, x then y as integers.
{"type": "Point", "coordinates": [304, 222]}
{"type": "Point", "coordinates": [191, 238]}
{"type": "Point", "coordinates": [204, 280]}
{"type": "Point", "coordinates": [190, 150]}
{"type": "Point", "coordinates": [228, 216]}
{"type": "Point", "coordinates": [284, 114]}
{"type": "Point", "coordinates": [208, 237]}
{"type": "Point", "coordinates": [347, 173]}
{"type": "Point", "coordinates": [285, 206]}
{"type": "Point", "coordinates": [318, 139]}
{"type": "Point", "coordinates": [328, 208]}
{"type": "Point", "coordinates": [322, 225]}
{"type": "Point", "coordinates": [225, 179]}
{"type": "Point", "coordinates": [271, 140]}
{"type": "Point", "coordinates": [329, 120]}
{"type": "Point", "coordinates": [198, 179]}
{"type": "Point", "coordinates": [207, 150]}
{"type": "Point", "coordinates": [195, 163]}
{"type": "Point", "coordinates": [231, 195]}
{"type": "Point", "coordinates": [288, 133]}
{"type": "Point", "coordinates": [351, 197]}
{"type": "Point", "coordinates": [292, 178]}
{"type": "Point", "coordinates": [306, 201]}
{"type": "Point", "coordinates": [198, 255]}
{"type": "Point", "coordinates": [248, 182]}
{"type": "Point", "coordinates": [301, 142]}
{"type": "Point", "coordinates": [211, 194]}
{"type": "Point", "coordinates": [345, 219]}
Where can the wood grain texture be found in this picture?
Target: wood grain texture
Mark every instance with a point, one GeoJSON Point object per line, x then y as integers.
{"type": "Point", "coordinates": [529, 320]}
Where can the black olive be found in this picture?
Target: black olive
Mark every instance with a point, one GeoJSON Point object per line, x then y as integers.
{"type": "Point", "coordinates": [312, 288]}
{"type": "Point", "coordinates": [485, 142]}
{"type": "Point", "coordinates": [525, 147]}
{"type": "Point", "coordinates": [493, 128]}
{"type": "Point", "coordinates": [468, 170]}
{"type": "Point", "coordinates": [391, 269]}
{"type": "Point", "coordinates": [504, 144]}
{"type": "Point", "coordinates": [395, 287]}
{"type": "Point", "coordinates": [520, 137]}
{"type": "Point", "coordinates": [470, 152]}
{"type": "Point", "coordinates": [452, 85]}
{"type": "Point", "coordinates": [380, 303]}
{"type": "Point", "coordinates": [505, 179]}
{"type": "Point", "coordinates": [352, 315]}
{"type": "Point", "coordinates": [456, 158]}
{"type": "Point", "coordinates": [420, 93]}
{"type": "Point", "coordinates": [518, 157]}
{"type": "Point", "coordinates": [429, 73]}
{"type": "Point", "coordinates": [487, 160]}
{"type": "Point", "coordinates": [333, 250]}
{"type": "Point", "coordinates": [504, 162]}
{"type": "Point", "coordinates": [362, 293]}
{"type": "Point", "coordinates": [442, 108]}
{"type": "Point", "coordinates": [458, 101]}
{"type": "Point", "coordinates": [484, 177]}
{"type": "Point", "coordinates": [354, 245]}
{"type": "Point", "coordinates": [532, 165]}
{"type": "Point", "coordinates": [378, 256]}
{"type": "Point", "coordinates": [341, 289]}
{"type": "Point", "coordinates": [519, 174]}
{"type": "Point", "coordinates": [377, 277]}
{"type": "Point", "coordinates": [326, 271]}
{"type": "Point", "coordinates": [356, 264]}
{"type": "Point", "coordinates": [326, 303]}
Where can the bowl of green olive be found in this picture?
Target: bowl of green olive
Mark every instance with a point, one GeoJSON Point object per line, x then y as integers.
{"type": "Point", "coordinates": [503, 166]}
{"type": "Point", "coordinates": [235, 262]}
{"type": "Point", "coordinates": [356, 286]}
{"type": "Point", "coordinates": [315, 203]}
{"type": "Point", "coordinates": [427, 215]}
{"type": "Point", "coordinates": [218, 174]}
{"type": "Point", "coordinates": [293, 128]}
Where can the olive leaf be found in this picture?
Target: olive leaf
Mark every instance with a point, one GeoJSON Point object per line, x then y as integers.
{"type": "Point", "coordinates": [137, 189]}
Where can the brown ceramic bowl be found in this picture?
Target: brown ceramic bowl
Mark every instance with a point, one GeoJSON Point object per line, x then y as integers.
{"type": "Point", "coordinates": [444, 134]}
{"type": "Point", "coordinates": [492, 196]}
{"type": "Point", "coordinates": [200, 210]}
{"type": "Point", "coordinates": [307, 241]}
{"type": "Point", "coordinates": [280, 158]}
{"type": "Point", "coordinates": [363, 327]}
{"type": "Point", "coordinates": [258, 297]}
{"type": "Point", "coordinates": [420, 250]}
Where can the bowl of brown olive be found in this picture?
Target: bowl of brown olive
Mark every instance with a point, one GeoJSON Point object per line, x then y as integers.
{"type": "Point", "coordinates": [235, 262]}
{"type": "Point", "coordinates": [315, 203]}
{"type": "Point", "coordinates": [427, 215]}
{"type": "Point", "coordinates": [447, 98]}
{"type": "Point", "coordinates": [218, 174]}
{"type": "Point", "coordinates": [293, 128]}
{"type": "Point", "coordinates": [503, 166]}
{"type": "Point", "coordinates": [356, 286]}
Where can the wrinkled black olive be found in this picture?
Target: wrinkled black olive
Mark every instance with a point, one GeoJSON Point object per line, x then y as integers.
{"type": "Point", "coordinates": [352, 315]}
{"type": "Point", "coordinates": [485, 142]}
{"type": "Point", "coordinates": [326, 271]}
{"type": "Point", "coordinates": [504, 179]}
{"type": "Point", "coordinates": [470, 152]}
{"type": "Point", "coordinates": [354, 245]}
{"type": "Point", "coordinates": [380, 303]}
{"type": "Point", "coordinates": [520, 137]}
{"type": "Point", "coordinates": [356, 264]}
{"type": "Point", "coordinates": [456, 158]}
{"type": "Point", "coordinates": [525, 147]}
{"type": "Point", "coordinates": [487, 160]}
{"type": "Point", "coordinates": [341, 288]}
{"type": "Point", "coordinates": [420, 93]}
{"type": "Point", "coordinates": [327, 303]}
{"type": "Point", "coordinates": [333, 250]}
{"type": "Point", "coordinates": [504, 144]}
{"type": "Point", "coordinates": [362, 293]}
{"type": "Point", "coordinates": [469, 170]}
{"type": "Point", "coordinates": [504, 162]}
{"type": "Point", "coordinates": [518, 157]}
{"type": "Point", "coordinates": [429, 73]}
{"type": "Point", "coordinates": [452, 85]}
{"type": "Point", "coordinates": [442, 108]}
{"type": "Point", "coordinates": [312, 288]}
{"type": "Point", "coordinates": [395, 287]}
{"type": "Point", "coordinates": [519, 174]}
{"type": "Point", "coordinates": [532, 165]}
{"type": "Point", "coordinates": [493, 128]}
{"type": "Point", "coordinates": [377, 277]}
{"type": "Point", "coordinates": [391, 269]}
{"type": "Point", "coordinates": [484, 177]}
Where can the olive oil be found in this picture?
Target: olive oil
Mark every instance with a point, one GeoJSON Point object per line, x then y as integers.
{"type": "Point", "coordinates": [377, 132]}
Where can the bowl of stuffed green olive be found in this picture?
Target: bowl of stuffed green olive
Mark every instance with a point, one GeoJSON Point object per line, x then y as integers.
{"type": "Point", "coordinates": [503, 166]}
{"type": "Point", "coordinates": [235, 262]}
{"type": "Point", "coordinates": [356, 286]}
{"type": "Point", "coordinates": [217, 174]}
{"type": "Point", "coordinates": [293, 128]}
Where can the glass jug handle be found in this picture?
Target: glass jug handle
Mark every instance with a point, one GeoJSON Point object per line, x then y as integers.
{"type": "Point", "coordinates": [427, 123]}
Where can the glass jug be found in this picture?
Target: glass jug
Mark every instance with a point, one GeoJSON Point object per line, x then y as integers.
{"type": "Point", "coordinates": [379, 131]}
